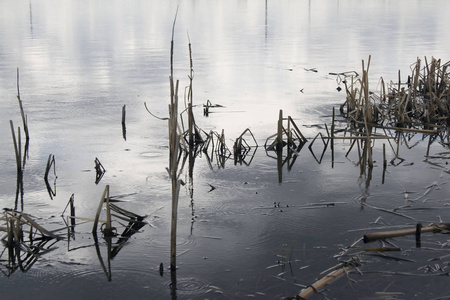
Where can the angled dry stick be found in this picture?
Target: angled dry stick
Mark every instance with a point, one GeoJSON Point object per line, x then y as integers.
{"type": "Point", "coordinates": [296, 130]}
{"type": "Point", "coordinates": [50, 162]}
{"type": "Point", "coordinates": [38, 227]}
{"type": "Point", "coordinates": [241, 147]}
{"type": "Point", "coordinates": [72, 211]}
{"type": "Point", "coordinates": [22, 218]}
{"type": "Point", "coordinates": [99, 170]}
{"type": "Point", "coordinates": [327, 279]}
{"type": "Point", "coordinates": [105, 196]}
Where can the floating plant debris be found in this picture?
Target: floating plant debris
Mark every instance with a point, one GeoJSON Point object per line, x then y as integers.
{"type": "Point", "coordinates": [396, 233]}
{"type": "Point", "coordinates": [209, 105]}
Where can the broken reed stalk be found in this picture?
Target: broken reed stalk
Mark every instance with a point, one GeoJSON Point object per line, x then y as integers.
{"type": "Point", "coordinates": [332, 138]}
{"type": "Point", "coordinates": [327, 279]}
{"type": "Point", "coordinates": [297, 131]}
{"type": "Point", "coordinates": [105, 196]}
{"type": "Point", "coordinates": [99, 170]}
{"type": "Point", "coordinates": [190, 102]}
{"type": "Point", "coordinates": [24, 119]}
{"type": "Point", "coordinates": [368, 114]}
{"type": "Point", "coordinates": [173, 169]}
{"type": "Point", "coordinates": [20, 218]}
{"type": "Point", "coordinates": [279, 145]}
{"type": "Point", "coordinates": [50, 162]}
{"type": "Point", "coordinates": [174, 140]}
{"type": "Point", "coordinates": [124, 127]}
{"type": "Point", "coordinates": [222, 143]}
{"type": "Point", "coordinates": [71, 203]}
{"type": "Point", "coordinates": [241, 147]}
{"type": "Point", "coordinates": [17, 148]}
{"type": "Point", "coordinates": [123, 114]}
{"type": "Point", "coordinates": [370, 237]}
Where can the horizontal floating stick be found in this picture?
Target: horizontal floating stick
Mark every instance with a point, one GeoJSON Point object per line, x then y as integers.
{"type": "Point", "coordinates": [87, 219]}
{"type": "Point", "coordinates": [381, 249]}
{"type": "Point", "coordinates": [370, 237]}
{"type": "Point", "coordinates": [425, 131]}
{"type": "Point", "coordinates": [359, 137]}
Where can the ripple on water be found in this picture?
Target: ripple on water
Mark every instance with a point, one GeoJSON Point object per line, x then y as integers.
{"type": "Point", "coordinates": [192, 286]}
{"type": "Point", "coordinates": [161, 243]}
{"type": "Point", "coordinates": [151, 154]}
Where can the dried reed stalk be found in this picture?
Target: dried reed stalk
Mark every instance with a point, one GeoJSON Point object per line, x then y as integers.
{"type": "Point", "coordinates": [279, 141]}
{"type": "Point", "coordinates": [241, 148]}
{"type": "Point", "coordinates": [325, 280]}
{"type": "Point", "coordinates": [105, 198]}
{"type": "Point", "coordinates": [370, 237]}
{"type": "Point", "coordinates": [50, 162]}
{"type": "Point", "coordinates": [24, 118]}
{"type": "Point", "coordinates": [174, 140]}
{"type": "Point", "coordinates": [17, 148]}
{"type": "Point", "coordinates": [20, 218]}
{"type": "Point", "coordinates": [420, 105]}
{"type": "Point", "coordinates": [190, 102]}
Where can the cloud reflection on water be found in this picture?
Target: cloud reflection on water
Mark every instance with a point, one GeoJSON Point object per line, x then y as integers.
{"type": "Point", "coordinates": [81, 62]}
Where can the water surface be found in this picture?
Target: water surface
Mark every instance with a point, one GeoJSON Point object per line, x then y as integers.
{"type": "Point", "coordinates": [81, 61]}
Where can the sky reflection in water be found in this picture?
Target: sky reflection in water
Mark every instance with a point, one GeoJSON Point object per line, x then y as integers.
{"type": "Point", "coordinates": [80, 62]}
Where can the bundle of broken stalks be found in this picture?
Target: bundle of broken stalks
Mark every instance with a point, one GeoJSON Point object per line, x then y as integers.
{"type": "Point", "coordinates": [420, 103]}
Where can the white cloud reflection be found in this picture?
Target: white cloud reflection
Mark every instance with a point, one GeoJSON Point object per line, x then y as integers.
{"type": "Point", "coordinates": [81, 61]}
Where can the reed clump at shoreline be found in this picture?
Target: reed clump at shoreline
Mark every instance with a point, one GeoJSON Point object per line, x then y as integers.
{"type": "Point", "coordinates": [419, 104]}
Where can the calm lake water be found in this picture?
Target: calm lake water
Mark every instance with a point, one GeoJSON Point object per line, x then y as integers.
{"type": "Point", "coordinates": [241, 233]}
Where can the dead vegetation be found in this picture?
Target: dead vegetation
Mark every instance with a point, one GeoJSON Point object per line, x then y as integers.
{"type": "Point", "coordinates": [24, 241]}
{"type": "Point", "coordinates": [401, 110]}
{"type": "Point", "coordinates": [420, 105]}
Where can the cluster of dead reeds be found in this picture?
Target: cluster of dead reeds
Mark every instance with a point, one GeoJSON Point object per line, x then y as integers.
{"type": "Point", "coordinates": [422, 102]}
{"type": "Point", "coordinates": [420, 105]}
{"type": "Point", "coordinates": [25, 240]}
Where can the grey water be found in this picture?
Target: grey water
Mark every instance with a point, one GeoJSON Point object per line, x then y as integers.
{"type": "Point", "coordinates": [241, 232]}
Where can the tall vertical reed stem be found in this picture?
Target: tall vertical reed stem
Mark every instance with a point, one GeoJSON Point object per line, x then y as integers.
{"type": "Point", "coordinates": [279, 146]}
{"type": "Point", "coordinates": [173, 164]}
{"type": "Point", "coordinates": [173, 171]}
{"type": "Point", "coordinates": [16, 148]}
{"type": "Point", "coordinates": [24, 119]}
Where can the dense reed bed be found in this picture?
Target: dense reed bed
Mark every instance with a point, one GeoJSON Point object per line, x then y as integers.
{"type": "Point", "coordinates": [419, 104]}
